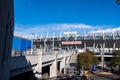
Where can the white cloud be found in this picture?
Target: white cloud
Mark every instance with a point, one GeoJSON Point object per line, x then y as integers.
{"type": "Point", "coordinates": [108, 30]}
{"type": "Point", "coordinates": [23, 30]}
{"type": "Point", "coordinates": [28, 29]}
{"type": "Point", "coordinates": [74, 26]}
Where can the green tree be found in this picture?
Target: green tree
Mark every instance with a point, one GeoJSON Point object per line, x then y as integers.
{"type": "Point", "coordinates": [116, 59]}
{"type": "Point", "coordinates": [87, 59]}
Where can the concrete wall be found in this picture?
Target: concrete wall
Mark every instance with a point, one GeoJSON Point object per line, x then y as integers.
{"type": "Point", "coordinates": [21, 64]}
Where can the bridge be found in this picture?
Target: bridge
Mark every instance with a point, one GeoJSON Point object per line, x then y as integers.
{"type": "Point", "coordinates": [35, 62]}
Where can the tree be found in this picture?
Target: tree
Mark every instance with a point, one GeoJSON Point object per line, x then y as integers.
{"type": "Point", "coordinates": [87, 59]}
{"type": "Point", "coordinates": [116, 59]}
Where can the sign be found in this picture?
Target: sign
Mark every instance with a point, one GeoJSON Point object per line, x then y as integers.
{"type": "Point", "coordinates": [71, 42]}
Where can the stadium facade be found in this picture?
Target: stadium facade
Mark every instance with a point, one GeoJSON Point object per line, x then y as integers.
{"type": "Point", "coordinates": [72, 40]}
{"type": "Point", "coordinates": [103, 44]}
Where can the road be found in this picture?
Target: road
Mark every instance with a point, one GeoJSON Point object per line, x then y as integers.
{"type": "Point", "coordinates": [104, 76]}
{"type": "Point", "coordinates": [96, 76]}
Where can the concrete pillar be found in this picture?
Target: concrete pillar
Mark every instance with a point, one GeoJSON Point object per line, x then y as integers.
{"type": "Point", "coordinates": [53, 67]}
{"type": "Point", "coordinates": [60, 46]}
{"type": "Point", "coordinates": [44, 50]}
{"type": "Point", "coordinates": [85, 46]}
{"type": "Point", "coordinates": [6, 35]}
{"type": "Point", "coordinates": [102, 55]}
{"type": "Point", "coordinates": [63, 64]}
{"type": "Point", "coordinates": [67, 61]}
{"type": "Point", "coordinates": [114, 46]}
{"type": "Point", "coordinates": [38, 68]}
{"type": "Point", "coordinates": [76, 47]}
{"type": "Point", "coordinates": [94, 46]}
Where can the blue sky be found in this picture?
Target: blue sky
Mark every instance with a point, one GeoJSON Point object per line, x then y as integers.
{"type": "Point", "coordinates": [48, 16]}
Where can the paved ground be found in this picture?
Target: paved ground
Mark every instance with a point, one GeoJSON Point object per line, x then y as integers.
{"type": "Point", "coordinates": [104, 76]}
{"type": "Point", "coordinates": [73, 58]}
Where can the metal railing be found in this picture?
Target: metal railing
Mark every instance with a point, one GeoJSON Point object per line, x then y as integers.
{"type": "Point", "coordinates": [16, 53]}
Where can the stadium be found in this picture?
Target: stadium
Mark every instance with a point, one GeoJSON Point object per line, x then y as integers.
{"type": "Point", "coordinates": [103, 44]}
{"type": "Point", "coordinates": [83, 41]}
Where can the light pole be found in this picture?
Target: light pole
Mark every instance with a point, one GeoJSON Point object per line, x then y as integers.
{"type": "Point", "coordinates": [76, 44]}
{"type": "Point", "coordinates": [114, 44]}
{"type": "Point", "coordinates": [94, 42]}
{"type": "Point", "coordinates": [84, 42]}
{"type": "Point", "coordinates": [45, 40]}
{"type": "Point", "coordinates": [53, 41]}
{"type": "Point", "coordinates": [32, 35]}
{"type": "Point", "coordinates": [60, 40]}
{"type": "Point", "coordinates": [47, 37]}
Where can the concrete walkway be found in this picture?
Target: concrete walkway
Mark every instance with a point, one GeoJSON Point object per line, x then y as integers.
{"type": "Point", "coordinates": [73, 58]}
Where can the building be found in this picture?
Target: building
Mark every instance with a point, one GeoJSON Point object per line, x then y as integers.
{"type": "Point", "coordinates": [21, 46]}
{"type": "Point", "coordinates": [99, 43]}
{"type": "Point", "coordinates": [6, 34]}
{"type": "Point", "coordinates": [84, 40]}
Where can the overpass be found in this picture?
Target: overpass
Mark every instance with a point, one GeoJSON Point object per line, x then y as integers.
{"type": "Point", "coordinates": [35, 62]}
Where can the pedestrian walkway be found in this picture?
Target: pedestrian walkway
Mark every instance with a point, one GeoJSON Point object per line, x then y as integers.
{"type": "Point", "coordinates": [104, 76]}
{"type": "Point", "coordinates": [73, 58]}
